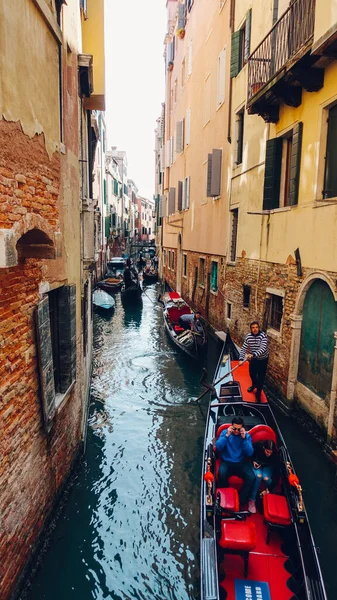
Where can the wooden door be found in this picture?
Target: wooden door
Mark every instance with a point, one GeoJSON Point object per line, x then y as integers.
{"type": "Point", "coordinates": [317, 339]}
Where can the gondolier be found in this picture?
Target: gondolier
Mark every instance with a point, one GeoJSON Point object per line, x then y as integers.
{"type": "Point", "coordinates": [255, 348]}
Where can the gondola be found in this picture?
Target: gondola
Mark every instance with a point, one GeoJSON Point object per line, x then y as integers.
{"type": "Point", "coordinates": [150, 276]}
{"type": "Point", "coordinates": [103, 300]}
{"type": "Point", "coordinates": [269, 555]}
{"type": "Point", "coordinates": [131, 294]}
{"type": "Point", "coordinates": [190, 342]}
{"type": "Point", "coordinates": [111, 285]}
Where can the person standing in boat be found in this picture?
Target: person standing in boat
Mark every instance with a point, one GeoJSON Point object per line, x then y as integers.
{"type": "Point", "coordinates": [255, 349]}
{"type": "Point", "coordinates": [234, 445]}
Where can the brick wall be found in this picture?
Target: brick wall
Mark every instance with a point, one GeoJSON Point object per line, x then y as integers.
{"type": "Point", "coordinates": [32, 467]}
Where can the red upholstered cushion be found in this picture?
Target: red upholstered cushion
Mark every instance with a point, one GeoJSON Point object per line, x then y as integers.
{"type": "Point", "coordinates": [229, 498]}
{"type": "Point", "coordinates": [276, 509]}
{"type": "Point", "coordinates": [262, 432]}
{"type": "Point", "coordinates": [237, 535]}
{"type": "Point", "coordinates": [174, 295]}
{"type": "Point", "coordinates": [222, 428]}
{"type": "Point", "coordinates": [178, 329]}
{"type": "Point", "coordinates": [233, 481]}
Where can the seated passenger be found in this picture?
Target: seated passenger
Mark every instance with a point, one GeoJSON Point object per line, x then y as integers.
{"type": "Point", "coordinates": [234, 445]}
{"type": "Point", "coordinates": [266, 467]}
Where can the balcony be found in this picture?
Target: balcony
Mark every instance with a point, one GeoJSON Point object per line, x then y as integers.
{"type": "Point", "coordinates": [282, 64]}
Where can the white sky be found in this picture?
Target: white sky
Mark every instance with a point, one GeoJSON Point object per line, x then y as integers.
{"type": "Point", "coordinates": [135, 76]}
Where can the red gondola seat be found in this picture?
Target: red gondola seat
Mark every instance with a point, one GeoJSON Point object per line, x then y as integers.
{"type": "Point", "coordinates": [229, 498]}
{"type": "Point", "coordinates": [276, 512]}
{"type": "Point", "coordinates": [238, 537]}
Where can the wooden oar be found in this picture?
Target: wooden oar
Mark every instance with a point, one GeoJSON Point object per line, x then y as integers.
{"type": "Point", "coordinates": [212, 387]}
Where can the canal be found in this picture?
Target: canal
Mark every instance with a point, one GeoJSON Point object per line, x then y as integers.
{"type": "Point", "coordinates": [129, 528]}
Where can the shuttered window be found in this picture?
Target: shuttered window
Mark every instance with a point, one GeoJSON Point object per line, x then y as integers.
{"type": "Point", "coordinates": [186, 193]}
{"type": "Point", "coordinates": [221, 77]}
{"type": "Point", "coordinates": [172, 201]}
{"type": "Point", "coordinates": [56, 341]}
{"type": "Point", "coordinates": [330, 175]}
{"type": "Point", "coordinates": [272, 177]}
{"type": "Point", "coordinates": [201, 271]}
{"type": "Point", "coordinates": [282, 169]}
{"type": "Point", "coordinates": [234, 234]}
{"type": "Point", "coordinates": [214, 167]}
{"type": "Point", "coordinates": [240, 50]}
{"type": "Point", "coordinates": [239, 136]}
{"type": "Point", "coordinates": [214, 276]}
{"type": "Point", "coordinates": [180, 136]}
{"type": "Point", "coordinates": [115, 187]}
{"type": "Point", "coordinates": [181, 16]}
{"type": "Point", "coordinates": [188, 127]}
{"type": "Point", "coordinates": [184, 265]}
{"type": "Point", "coordinates": [180, 195]}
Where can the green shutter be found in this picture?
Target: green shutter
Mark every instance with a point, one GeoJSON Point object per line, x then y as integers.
{"type": "Point", "coordinates": [295, 164]}
{"type": "Point", "coordinates": [214, 277]}
{"type": "Point", "coordinates": [236, 53]}
{"type": "Point", "coordinates": [272, 175]}
{"type": "Point", "coordinates": [248, 34]}
{"type": "Point", "coordinates": [107, 222]}
{"type": "Point", "coordinates": [45, 360]}
{"type": "Point", "coordinates": [67, 336]}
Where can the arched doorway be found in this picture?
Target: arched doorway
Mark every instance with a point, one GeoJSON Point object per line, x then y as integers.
{"type": "Point", "coordinates": [316, 354]}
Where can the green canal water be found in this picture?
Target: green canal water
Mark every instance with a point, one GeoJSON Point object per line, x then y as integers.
{"type": "Point", "coordinates": [129, 529]}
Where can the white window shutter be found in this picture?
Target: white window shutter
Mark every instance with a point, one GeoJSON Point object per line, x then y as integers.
{"type": "Point", "coordinates": [184, 195]}
{"type": "Point", "coordinates": [187, 192]}
{"type": "Point", "coordinates": [171, 150]}
{"type": "Point", "coordinates": [190, 56]}
{"type": "Point", "coordinates": [162, 158]}
{"type": "Point", "coordinates": [221, 77]}
{"type": "Point", "coordinates": [188, 127]}
{"type": "Point", "coordinates": [180, 136]}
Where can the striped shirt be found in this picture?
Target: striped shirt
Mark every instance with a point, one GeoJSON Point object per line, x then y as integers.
{"type": "Point", "coordinates": [257, 345]}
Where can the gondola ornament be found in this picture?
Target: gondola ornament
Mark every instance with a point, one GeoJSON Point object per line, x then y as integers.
{"type": "Point", "coordinates": [209, 478]}
{"type": "Point", "coordinates": [295, 482]}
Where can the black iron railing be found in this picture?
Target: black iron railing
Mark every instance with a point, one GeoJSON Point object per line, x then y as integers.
{"type": "Point", "coordinates": [289, 34]}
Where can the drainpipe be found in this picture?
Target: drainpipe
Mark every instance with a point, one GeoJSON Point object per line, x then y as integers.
{"type": "Point", "coordinates": [231, 28]}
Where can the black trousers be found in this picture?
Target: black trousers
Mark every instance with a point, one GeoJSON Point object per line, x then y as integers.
{"type": "Point", "coordinates": [257, 372]}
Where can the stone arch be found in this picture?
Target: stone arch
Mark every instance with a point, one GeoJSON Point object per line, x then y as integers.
{"type": "Point", "coordinates": [305, 285]}
{"type": "Point", "coordinates": [35, 244]}
{"type": "Point", "coordinates": [39, 243]}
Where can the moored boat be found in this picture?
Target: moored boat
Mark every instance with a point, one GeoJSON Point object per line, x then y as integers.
{"type": "Point", "coordinates": [268, 555]}
{"type": "Point", "coordinates": [190, 342]}
{"type": "Point", "coordinates": [111, 285]}
{"type": "Point", "coordinates": [150, 275]}
{"type": "Point", "coordinates": [103, 300]}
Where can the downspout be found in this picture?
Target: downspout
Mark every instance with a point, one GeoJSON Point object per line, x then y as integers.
{"type": "Point", "coordinates": [231, 28]}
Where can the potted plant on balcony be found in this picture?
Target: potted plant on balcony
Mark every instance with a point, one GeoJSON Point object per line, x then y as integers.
{"type": "Point", "coordinates": [181, 33]}
{"type": "Point", "coordinates": [170, 66]}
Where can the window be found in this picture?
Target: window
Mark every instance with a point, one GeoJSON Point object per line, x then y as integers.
{"type": "Point", "coordinates": [180, 136]}
{"type": "Point", "coordinates": [169, 259]}
{"type": "Point", "coordinates": [330, 174]}
{"type": "Point", "coordinates": [234, 234]}
{"type": "Point", "coordinates": [172, 260]}
{"type": "Point", "coordinates": [214, 276]}
{"type": "Point", "coordinates": [239, 136]}
{"type": "Point", "coordinates": [184, 265]}
{"type": "Point", "coordinates": [276, 312]}
{"type": "Point", "coordinates": [221, 77]}
{"type": "Point", "coordinates": [56, 340]}
{"type": "Point", "coordinates": [214, 166]}
{"type": "Point", "coordinates": [201, 271]}
{"type": "Point", "coordinates": [186, 193]}
{"type": "Point", "coordinates": [241, 46]}
{"type": "Point", "coordinates": [229, 310]}
{"type": "Point", "coordinates": [246, 295]}
{"type": "Point", "coordinates": [164, 258]}
{"type": "Point", "coordinates": [282, 169]}
{"type": "Point", "coordinates": [207, 100]}
{"type": "Point", "coordinates": [183, 64]}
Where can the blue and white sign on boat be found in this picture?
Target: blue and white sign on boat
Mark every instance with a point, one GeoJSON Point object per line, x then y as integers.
{"type": "Point", "coordinates": [251, 590]}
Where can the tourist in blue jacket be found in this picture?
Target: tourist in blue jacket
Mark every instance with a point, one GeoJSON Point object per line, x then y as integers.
{"type": "Point", "coordinates": [234, 446]}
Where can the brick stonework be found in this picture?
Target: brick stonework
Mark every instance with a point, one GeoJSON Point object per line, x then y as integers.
{"type": "Point", "coordinates": [33, 467]}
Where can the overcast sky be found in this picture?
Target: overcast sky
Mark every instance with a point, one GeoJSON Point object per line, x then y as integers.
{"type": "Point", "coordinates": [135, 31]}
